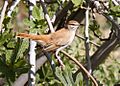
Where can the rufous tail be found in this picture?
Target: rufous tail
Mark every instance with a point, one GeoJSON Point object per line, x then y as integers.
{"type": "Point", "coordinates": [30, 36]}
{"type": "Point", "coordinates": [34, 37]}
{"type": "Point", "coordinates": [25, 35]}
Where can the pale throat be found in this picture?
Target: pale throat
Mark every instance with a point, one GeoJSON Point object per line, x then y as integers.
{"type": "Point", "coordinates": [72, 33]}
{"type": "Point", "coordinates": [72, 27]}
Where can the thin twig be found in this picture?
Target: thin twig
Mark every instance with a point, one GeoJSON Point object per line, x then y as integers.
{"type": "Point", "coordinates": [115, 2]}
{"type": "Point", "coordinates": [87, 47]}
{"type": "Point", "coordinates": [97, 45]}
{"type": "Point", "coordinates": [14, 4]}
{"type": "Point", "coordinates": [47, 16]}
{"type": "Point", "coordinates": [3, 13]}
{"type": "Point", "coordinates": [57, 12]}
{"type": "Point", "coordinates": [63, 12]}
{"type": "Point", "coordinates": [52, 30]}
{"type": "Point", "coordinates": [87, 39]}
{"type": "Point", "coordinates": [32, 54]}
{"type": "Point", "coordinates": [81, 66]}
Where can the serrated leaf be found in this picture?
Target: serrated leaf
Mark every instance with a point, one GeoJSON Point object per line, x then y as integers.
{"type": "Point", "coordinates": [22, 49]}
{"type": "Point", "coordinates": [8, 55]}
{"type": "Point", "coordinates": [15, 52]}
{"type": "Point", "coordinates": [115, 11]}
{"type": "Point", "coordinates": [2, 50]}
{"type": "Point", "coordinates": [37, 13]}
{"type": "Point", "coordinates": [7, 35]}
{"type": "Point", "coordinates": [11, 44]}
{"type": "Point", "coordinates": [6, 20]}
{"type": "Point", "coordinates": [20, 63]}
{"type": "Point", "coordinates": [77, 2]}
{"type": "Point", "coordinates": [27, 22]}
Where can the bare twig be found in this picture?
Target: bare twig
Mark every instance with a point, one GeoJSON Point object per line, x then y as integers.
{"type": "Point", "coordinates": [3, 13]}
{"type": "Point", "coordinates": [52, 30]}
{"type": "Point", "coordinates": [81, 66]}
{"type": "Point", "coordinates": [101, 54]}
{"type": "Point", "coordinates": [52, 63]}
{"type": "Point", "coordinates": [87, 39]}
{"type": "Point", "coordinates": [14, 4]}
{"type": "Point", "coordinates": [115, 2]}
{"type": "Point", "coordinates": [47, 16]}
{"type": "Point", "coordinates": [87, 47]}
{"type": "Point", "coordinates": [32, 54]}
{"type": "Point", "coordinates": [56, 13]}
{"type": "Point", "coordinates": [97, 45]}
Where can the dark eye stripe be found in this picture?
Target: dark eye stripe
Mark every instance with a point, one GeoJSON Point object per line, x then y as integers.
{"type": "Point", "coordinates": [74, 24]}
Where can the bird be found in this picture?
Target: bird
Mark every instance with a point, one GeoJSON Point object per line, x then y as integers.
{"type": "Point", "coordinates": [57, 40]}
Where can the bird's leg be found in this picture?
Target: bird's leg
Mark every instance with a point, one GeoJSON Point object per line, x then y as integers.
{"type": "Point", "coordinates": [60, 61]}
{"type": "Point", "coordinates": [58, 57]}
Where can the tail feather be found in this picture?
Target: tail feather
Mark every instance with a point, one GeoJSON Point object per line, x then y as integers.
{"type": "Point", "coordinates": [44, 38]}
{"type": "Point", "coordinates": [23, 35]}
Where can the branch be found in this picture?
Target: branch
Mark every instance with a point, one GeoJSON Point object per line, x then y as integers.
{"type": "Point", "coordinates": [47, 16]}
{"type": "Point", "coordinates": [32, 54]}
{"type": "Point", "coordinates": [57, 12]}
{"type": "Point", "coordinates": [14, 4]}
{"type": "Point", "coordinates": [3, 13]}
{"type": "Point", "coordinates": [87, 47]}
{"type": "Point", "coordinates": [115, 2]}
{"type": "Point", "coordinates": [101, 54]}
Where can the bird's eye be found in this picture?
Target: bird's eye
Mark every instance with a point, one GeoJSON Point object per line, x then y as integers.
{"type": "Point", "coordinates": [72, 24]}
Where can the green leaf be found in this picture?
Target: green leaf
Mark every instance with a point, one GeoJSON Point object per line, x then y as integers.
{"type": "Point", "coordinates": [27, 22]}
{"type": "Point", "coordinates": [60, 76]}
{"type": "Point", "coordinates": [2, 50]}
{"type": "Point", "coordinates": [94, 26]}
{"type": "Point", "coordinates": [11, 44]}
{"type": "Point", "coordinates": [6, 20]}
{"type": "Point", "coordinates": [8, 55]}
{"type": "Point", "coordinates": [5, 37]}
{"type": "Point", "coordinates": [19, 63]}
{"type": "Point", "coordinates": [77, 2]}
{"type": "Point", "coordinates": [115, 11]}
{"type": "Point", "coordinates": [23, 47]}
{"type": "Point", "coordinates": [37, 13]}
{"type": "Point", "coordinates": [15, 52]}
{"type": "Point", "coordinates": [65, 76]}
{"type": "Point", "coordinates": [79, 80]}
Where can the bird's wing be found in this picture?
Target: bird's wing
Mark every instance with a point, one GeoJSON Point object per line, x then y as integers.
{"type": "Point", "coordinates": [60, 37]}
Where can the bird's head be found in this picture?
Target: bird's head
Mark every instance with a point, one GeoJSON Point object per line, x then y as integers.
{"type": "Point", "coordinates": [73, 25]}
